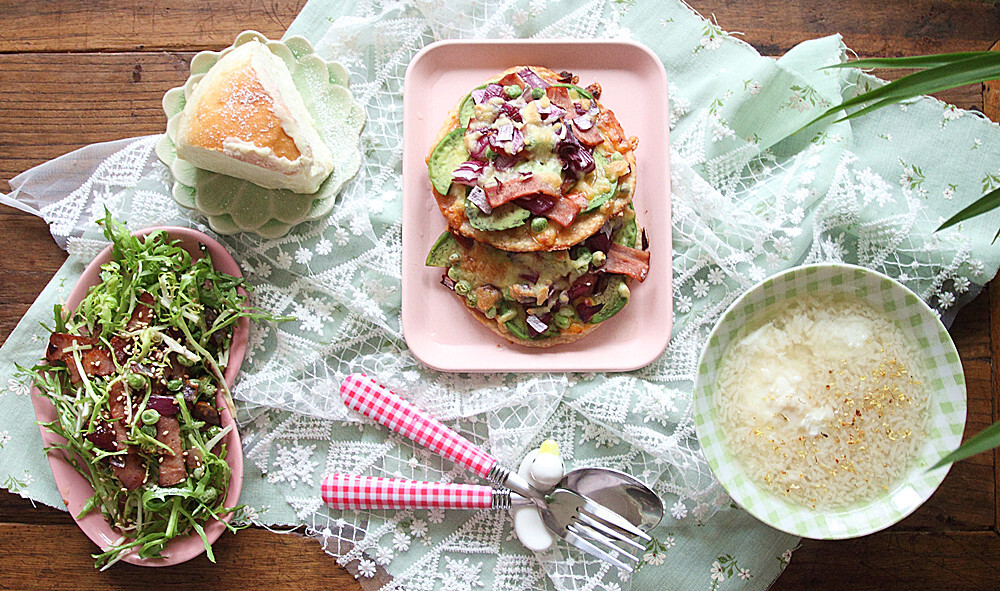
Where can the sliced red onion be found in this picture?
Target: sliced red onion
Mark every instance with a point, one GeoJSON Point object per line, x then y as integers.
{"type": "Point", "coordinates": [532, 79]}
{"type": "Point", "coordinates": [574, 155]}
{"type": "Point", "coordinates": [468, 172]}
{"type": "Point", "coordinates": [581, 286]}
{"type": "Point", "coordinates": [536, 204]}
{"type": "Point", "coordinates": [511, 111]}
{"type": "Point", "coordinates": [164, 405]}
{"type": "Point", "coordinates": [448, 282]}
{"type": "Point", "coordinates": [480, 145]}
{"type": "Point", "coordinates": [505, 133]}
{"type": "Point", "coordinates": [536, 324]}
{"type": "Point", "coordinates": [481, 95]}
{"type": "Point", "coordinates": [583, 123]}
{"type": "Point", "coordinates": [599, 241]}
{"type": "Point", "coordinates": [551, 112]}
{"type": "Point", "coordinates": [103, 437]}
{"type": "Point", "coordinates": [508, 139]}
{"type": "Point", "coordinates": [516, 144]}
{"type": "Point", "coordinates": [189, 391]}
{"type": "Point", "coordinates": [505, 162]}
{"type": "Point", "coordinates": [478, 198]}
{"type": "Point", "coordinates": [587, 312]}
{"type": "Point", "coordinates": [560, 132]}
{"type": "Point", "coordinates": [530, 277]}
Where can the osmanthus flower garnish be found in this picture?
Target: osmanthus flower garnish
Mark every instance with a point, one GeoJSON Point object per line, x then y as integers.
{"type": "Point", "coordinates": [133, 373]}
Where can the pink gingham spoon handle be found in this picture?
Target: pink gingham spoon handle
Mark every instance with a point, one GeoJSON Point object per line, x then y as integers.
{"type": "Point", "coordinates": [368, 397]}
{"type": "Point", "coordinates": [347, 491]}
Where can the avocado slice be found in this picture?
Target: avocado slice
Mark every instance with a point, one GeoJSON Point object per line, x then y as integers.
{"type": "Point", "coordinates": [466, 111]}
{"type": "Point", "coordinates": [445, 246]}
{"type": "Point", "coordinates": [614, 297]}
{"type": "Point", "coordinates": [504, 217]}
{"type": "Point", "coordinates": [601, 161]}
{"type": "Point", "coordinates": [446, 157]}
{"type": "Point", "coordinates": [628, 232]}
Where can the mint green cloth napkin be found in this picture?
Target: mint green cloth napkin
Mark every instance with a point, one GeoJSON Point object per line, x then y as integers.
{"type": "Point", "coordinates": [747, 202]}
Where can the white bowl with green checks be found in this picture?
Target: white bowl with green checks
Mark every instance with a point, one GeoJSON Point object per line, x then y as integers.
{"type": "Point", "coordinates": [946, 420]}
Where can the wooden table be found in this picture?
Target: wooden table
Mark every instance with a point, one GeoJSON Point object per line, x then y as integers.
{"type": "Point", "coordinates": [74, 72]}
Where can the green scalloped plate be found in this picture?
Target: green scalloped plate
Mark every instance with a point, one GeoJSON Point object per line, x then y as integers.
{"type": "Point", "coordinates": [233, 205]}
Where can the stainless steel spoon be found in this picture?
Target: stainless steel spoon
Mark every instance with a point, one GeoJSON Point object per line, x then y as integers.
{"type": "Point", "coordinates": [620, 492]}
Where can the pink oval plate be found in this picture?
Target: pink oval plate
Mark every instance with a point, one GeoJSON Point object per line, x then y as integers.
{"type": "Point", "coordinates": [75, 489]}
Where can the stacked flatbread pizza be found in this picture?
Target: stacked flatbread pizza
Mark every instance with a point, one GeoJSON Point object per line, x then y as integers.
{"type": "Point", "coordinates": [535, 178]}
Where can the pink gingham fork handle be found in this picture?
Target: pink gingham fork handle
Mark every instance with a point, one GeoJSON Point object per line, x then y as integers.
{"type": "Point", "coordinates": [368, 397]}
{"type": "Point", "coordinates": [345, 491]}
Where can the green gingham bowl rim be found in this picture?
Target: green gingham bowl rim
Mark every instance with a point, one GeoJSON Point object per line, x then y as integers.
{"type": "Point", "coordinates": [946, 420]}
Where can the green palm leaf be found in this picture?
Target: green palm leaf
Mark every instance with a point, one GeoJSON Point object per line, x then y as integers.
{"type": "Point", "coordinates": [917, 62]}
{"type": "Point", "coordinates": [982, 66]}
{"type": "Point", "coordinates": [987, 202]}
{"type": "Point", "coordinates": [986, 440]}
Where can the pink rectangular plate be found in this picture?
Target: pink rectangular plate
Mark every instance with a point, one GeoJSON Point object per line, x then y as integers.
{"type": "Point", "coordinates": [437, 328]}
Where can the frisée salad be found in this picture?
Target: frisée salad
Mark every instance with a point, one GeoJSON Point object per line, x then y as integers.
{"type": "Point", "coordinates": [134, 373]}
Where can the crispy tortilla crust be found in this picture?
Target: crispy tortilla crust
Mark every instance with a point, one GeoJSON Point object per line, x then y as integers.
{"type": "Point", "coordinates": [555, 237]}
{"type": "Point", "coordinates": [535, 344]}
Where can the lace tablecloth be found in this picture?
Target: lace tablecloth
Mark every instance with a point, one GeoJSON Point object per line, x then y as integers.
{"type": "Point", "coordinates": [747, 202]}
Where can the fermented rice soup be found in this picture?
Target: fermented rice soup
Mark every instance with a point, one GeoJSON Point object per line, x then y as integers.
{"type": "Point", "coordinates": [823, 401]}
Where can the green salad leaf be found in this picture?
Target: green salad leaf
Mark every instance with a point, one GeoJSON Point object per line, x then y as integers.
{"type": "Point", "coordinates": [178, 356]}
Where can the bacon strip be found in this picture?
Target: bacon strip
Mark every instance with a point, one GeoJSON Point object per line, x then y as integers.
{"type": "Point", "coordinates": [516, 188]}
{"type": "Point", "coordinates": [613, 130]}
{"type": "Point", "coordinates": [172, 466]}
{"type": "Point", "coordinates": [589, 138]}
{"type": "Point", "coordinates": [142, 315]}
{"type": "Point", "coordinates": [559, 95]}
{"type": "Point", "coordinates": [132, 474]}
{"type": "Point", "coordinates": [96, 360]}
{"type": "Point", "coordinates": [511, 80]}
{"type": "Point", "coordinates": [627, 261]}
{"type": "Point", "coordinates": [566, 209]}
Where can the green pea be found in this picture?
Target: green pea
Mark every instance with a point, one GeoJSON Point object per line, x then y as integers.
{"type": "Point", "coordinates": [491, 154]}
{"type": "Point", "coordinates": [149, 430]}
{"type": "Point", "coordinates": [471, 300]}
{"type": "Point", "coordinates": [174, 385]}
{"type": "Point", "coordinates": [562, 321]}
{"type": "Point", "coordinates": [207, 388]}
{"type": "Point", "coordinates": [539, 224]}
{"type": "Point", "coordinates": [150, 416]}
{"type": "Point", "coordinates": [463, 287]}
{"type": "Point", "coordinates": [537, 93]}
{"type": "Point", "coordinates": [565, 312]}
{"type": "Point", "coordinates": [183, 360]}
{"type": "Point", "coordinates": [454, 274]}
{"type": "Point", "coordinates": [491, 313]}
{"type": "Point", "coordinates": [512, 91]}
{"type": "Point", "coordinates": [136, 381]}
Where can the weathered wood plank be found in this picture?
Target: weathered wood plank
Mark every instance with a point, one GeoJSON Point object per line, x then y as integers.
{"type": "Point", "coordinates": [956, 561]}
{"type": "Point", "coordinates": [51, 104]}
{"type": "Point", "coordinates": [58, 557]}
{"type": "Point", "coordinates": [887, 29]}
{"type": "Point", "coordinates": [870, 28]}
{"type": "Point", "coordinates": [84, 25]}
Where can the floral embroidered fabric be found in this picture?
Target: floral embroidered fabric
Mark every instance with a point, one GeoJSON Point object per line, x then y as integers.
{"type": "Point", "coordinates": [748, 201]}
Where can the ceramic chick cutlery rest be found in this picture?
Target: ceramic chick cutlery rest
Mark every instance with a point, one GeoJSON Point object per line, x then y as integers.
{"type": "Point", "coordinates": [582, 522]}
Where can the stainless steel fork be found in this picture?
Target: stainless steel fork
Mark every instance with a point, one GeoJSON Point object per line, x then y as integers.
{"type": "Point", "coordinates": [585, 524]}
